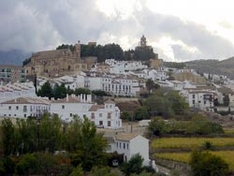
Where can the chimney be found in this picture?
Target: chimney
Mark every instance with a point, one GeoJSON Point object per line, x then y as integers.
{"type": "Point", "coordinates": [67, 98]}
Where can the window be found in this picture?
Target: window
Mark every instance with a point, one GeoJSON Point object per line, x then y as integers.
{"type": "Point", "coordinates": [25, 115]}
{"type": "Point", "coordinates": [25, 109]}
{"type": "Point", "coordinates": [124, 145]}
{"type": "Point", "coordinates": [100, 114]}
{"type": "Point", "coordinates": [9, 107]}
{"type": "Point", "coordinates": [109, 115]}
{"type": "Point", "coordinates": [93, 115]}
{"type": "Point", "coordinates": [193, 96]}
{"type": "Point", "coordinates": [63, 106]}
{"type": "Point", "coordinates": [108, 123]}
{"type": "Point", "coordinates": [127, 146]}
{"type": "Point", "coordinates": [17, 107]}
{"type": "Point", "coordinates": [70, 114]}
{"type": "Point", "coordinates": [193, 101]}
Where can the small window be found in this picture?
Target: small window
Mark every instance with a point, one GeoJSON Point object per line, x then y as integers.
{"type": "Point", "coordinates": [70, 114]}
{"type": "Point", "coordinates": [15, 115]}
{"type": "Point", "coordinates": [124, 145]}
{"type": "Point", "coordinates": [17, 107]}
{"type": "Point", "coordinates": [63, 106]}
{"type": "Point", "coordinates": [9, 107]}
{"type": "Point", "coordinates": [25, 115]}
{"type": "Point", "coordinates": [100, 114]}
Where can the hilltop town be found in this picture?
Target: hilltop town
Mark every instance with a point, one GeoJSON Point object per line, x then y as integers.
{"type": "Point", "coordinates": [29, 91]}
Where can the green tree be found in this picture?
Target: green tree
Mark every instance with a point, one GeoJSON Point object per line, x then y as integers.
{"type": "Point", "coordinates": [8, 137]}
{"type": "Point", "coordinates": [133, 166]}
{"type": "Point", "coordinates": [226, 100]}
{"type": "Point", "coordinates": [59, 91]}
{"type": "Point", "coordinates": [82, 91]}
{"type": "Point", "coordinates": [141, 113]}
{"type": "Point", "coordinates": [50, 133]}
{"type": "Point", "coordinates": [178, 103]}
{"type": "Point", "coordinates": [159, 106]}
{"type": "Point", "coordinates": [46, 90]}
{"type": "Point", "coordinates": [126, 116]}
{"type": "Point", "coordinates": [90, 148]}
{"type": "Point", "coordinates": [157, 126]}
{"type": "Point", "coordinates": [207, 164]}
{"type": "Point", "coordinates": [151, 85]}
{"type": "Point", "coordinates": [78, 171]}
{"type": "Point", "coordinates": [27, 165]}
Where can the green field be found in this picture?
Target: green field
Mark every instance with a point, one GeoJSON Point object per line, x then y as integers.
{"type": "Point", "coordinates": [185, 157]}
{"type": "Point", "coordinates": [191, 143]}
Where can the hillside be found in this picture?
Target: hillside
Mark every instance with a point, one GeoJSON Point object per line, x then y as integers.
{"type": "Point", "coordinates": [224, 67]}
{"type": "Point", "coordinates": [13, 57]}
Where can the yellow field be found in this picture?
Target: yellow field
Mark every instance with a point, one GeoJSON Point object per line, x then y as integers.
{"type": "Point", "coordinates": [184, 157]}
{"type": "Point", "coordinates": [191, 143]}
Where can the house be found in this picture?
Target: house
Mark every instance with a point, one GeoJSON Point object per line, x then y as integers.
{"type": "Point", "coordinates": [106, 115]}
{"type": "Point", "coordinates": [130, 144]}
{"type": "Point", "coordinates": [72, 105]}
{"type": "Point", "coordinates": [202, 99]}
{"type": "Point", "coordinates": [24, 107]}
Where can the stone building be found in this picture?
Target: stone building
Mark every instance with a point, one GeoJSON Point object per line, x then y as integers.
{"type": "Point", "coordinates": [12, 73]}
{"type": "Point", "coordinates": [56, 63]}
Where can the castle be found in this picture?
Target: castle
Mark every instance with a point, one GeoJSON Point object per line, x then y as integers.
{"type": "Point", "coordinates": [56, 63]}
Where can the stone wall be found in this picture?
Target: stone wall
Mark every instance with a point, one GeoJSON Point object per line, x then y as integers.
{"type": "Point", "coordinates": [183, 168]}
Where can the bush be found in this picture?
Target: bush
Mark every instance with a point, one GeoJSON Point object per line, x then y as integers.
{"type": "Point", "coordinates": [206, 164]}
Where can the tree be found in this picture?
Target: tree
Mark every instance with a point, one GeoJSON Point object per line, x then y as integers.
{"type": "Point", "coordinates": [226, 100]}
{"type": "Point", "coordinates": [151, 85]}
{"type": "Point", "coordinates": [207, 164]}
{"type": "Point", "coordinates": [27, 165]}
{"type": "Point", "coordinates": [157, 126]}
{"type": "Point", "coordinates": [78, 171]}
{"type": "Point", "coordinates": [8, 137]}
{"type": "Point", "coordinates": [50, 133]}
{"type": "Point", "coordinates": [89, 146]}
{"type": "Point", "coordinates": [133, 166]}
{"type": "Point", "coordinates": [141, 113]}
{"type": "Point", "coordinates": [178, 103]}
{"type": "Point", "coordinates": [46, 90]}
{"type": "Point", "coordinates": [159, 105]}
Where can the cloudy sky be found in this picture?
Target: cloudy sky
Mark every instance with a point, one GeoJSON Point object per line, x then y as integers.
{"type": "Point", "coordinates": [178, 30]}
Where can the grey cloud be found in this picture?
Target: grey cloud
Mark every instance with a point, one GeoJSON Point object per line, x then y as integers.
{"type": "Point", "coordinates": [37, 25]}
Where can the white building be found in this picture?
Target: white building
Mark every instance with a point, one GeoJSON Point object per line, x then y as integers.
{"type": "Point", "coordinates": [72, 105]}
{"type": "Point", "coordinates": [24, 107]}
{"type": "Point", "coordinates": [16, 90]}
{"type": "Point", "coordinates": [201, 99]}
{"type": "Point", "coordinates": [106, 116]}
{"type": "Point", "coordinates": [130, 144]}
{"type": "Point", "coordinates": [119, 85]}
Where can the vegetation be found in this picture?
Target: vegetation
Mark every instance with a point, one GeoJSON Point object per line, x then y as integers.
{"type": "Point", "coordinates": [207, 164]}
{"type": "Point", "coordinates": [185, 157]}
{"type": "Point", "coordinates": [198, 125]}
{"type": "Point", "coordinates": [112, 51]}
{"type": "Point", "coordinates": [29, 146]}
{"type": "Point", "coordinates": [190, 143]}
{"type": "Point", "coordinates": [166, 103]}
{"type": "Point", "coordinates": [60, 91]}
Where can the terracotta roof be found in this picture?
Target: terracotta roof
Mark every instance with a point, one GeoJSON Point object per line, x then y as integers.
{"type": "Point", "coordinates": [126, 136]}
{"type": "Point", "coordinates": [109, 101]}
{"type": "Point", "coordinates": [27, 100]}
{"type": "Point", "coordinates": [96, 107]}
{"type": "Point", "coordinates": [69, 99]}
